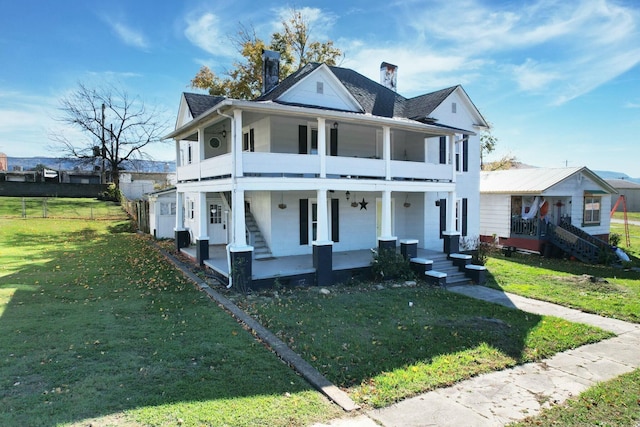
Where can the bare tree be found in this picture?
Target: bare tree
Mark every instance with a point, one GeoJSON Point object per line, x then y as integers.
{"type": "Point", "coordinates": [118, 128]}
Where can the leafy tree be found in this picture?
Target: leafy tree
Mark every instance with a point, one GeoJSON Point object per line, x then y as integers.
{"type": "Point", "coordinates": [504, 163]}
{"type": "Point", "coordinates": [487, 144]}
{"type": "Point", "coordinates": [296, 49]}
{"type": "Point", "coordinates": [117, 127]}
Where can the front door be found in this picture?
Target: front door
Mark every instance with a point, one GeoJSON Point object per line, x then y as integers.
{"type": "Point", "coordinates": [217, 222]}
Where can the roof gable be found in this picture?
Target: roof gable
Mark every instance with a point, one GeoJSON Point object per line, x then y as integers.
{"type": "Point", "coordinates": [319, 87]}
{"type": "Point", "coordinates": [421, 107]}
{"type": "Point", "coordinates": [464, 107]}
{"type": "Point", "coordinates": [193, 105]}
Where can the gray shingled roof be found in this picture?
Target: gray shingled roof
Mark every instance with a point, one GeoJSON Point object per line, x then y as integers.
{"type": "Point", "coordinates": [422, 106]}
{"type": "Point", "coordinates": [374, 98]}
{"type": "Point", "coordinates": [199, 103]}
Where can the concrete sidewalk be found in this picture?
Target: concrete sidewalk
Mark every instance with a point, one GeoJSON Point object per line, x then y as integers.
{"type": "Point", "coordinates": [498, 398]}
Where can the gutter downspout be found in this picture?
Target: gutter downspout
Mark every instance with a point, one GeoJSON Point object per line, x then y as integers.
{"type": "Point", "coordinates": [233, 180]}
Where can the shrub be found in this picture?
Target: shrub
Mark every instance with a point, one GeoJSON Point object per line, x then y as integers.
{"type": "Point", "coordinates": [111, 194]}
{"type": "Point", "coordinates": [388, 264]}
{"type": "Point", "coordinates": [614, 239]}
{"type": "Point", "coordinates": [480, 251]}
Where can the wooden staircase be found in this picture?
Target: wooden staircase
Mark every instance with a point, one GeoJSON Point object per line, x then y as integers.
{"type": "Point", "coordinates": [260, 248]}
{"type": "Point", "coordinates": [576, 242]}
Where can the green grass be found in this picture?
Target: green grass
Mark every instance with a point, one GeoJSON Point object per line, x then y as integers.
{"type": "Point", "coordinates": [53, 207]}
{"type": "Point", "coordinates": [612, 403]}
{"type": "Point", "coordinates": [632, 216]}
{"type": "Point", "coordinates": [384, 345]}
{"type": "Point", "coordinates": [607, 291]}
{"type": "Point", "coordinates": [634, 236]}
{"type": "Point", "coordinates": [95, 324]}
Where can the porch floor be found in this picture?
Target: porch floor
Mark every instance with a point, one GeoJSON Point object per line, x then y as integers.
{"type": "Point", "coordinates": [285, 266]}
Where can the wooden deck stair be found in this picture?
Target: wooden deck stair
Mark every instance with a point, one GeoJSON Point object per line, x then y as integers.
{"type": "Point", "coordinates": [576, 242]}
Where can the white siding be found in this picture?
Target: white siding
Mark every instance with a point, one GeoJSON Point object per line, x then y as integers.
{"type": "Point", "coordinates": [333, 94]}
{"type": "Point", "coordinates": [495, 215]}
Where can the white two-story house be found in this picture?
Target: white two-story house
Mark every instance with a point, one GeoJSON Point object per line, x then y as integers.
{"type": "Point", "coordinates": [326, 162]}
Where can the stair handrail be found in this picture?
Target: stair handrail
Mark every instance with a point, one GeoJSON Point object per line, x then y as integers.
{"type": "Point", "coordinates": [584, 235]}
{"type": "Point", "coordinates": [573, 244]}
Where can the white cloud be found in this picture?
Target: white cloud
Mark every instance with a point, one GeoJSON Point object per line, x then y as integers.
{"type": "Point", "coordinates": [320, 22]}
{"type": "Point", "coordinates": [533, 77]}
{"type": "Point", "coordinates": [128, 35]}
{"type": "Point", "coordinates": [557, 49]}
{"type": "Point", "coordinates": [204, 31]}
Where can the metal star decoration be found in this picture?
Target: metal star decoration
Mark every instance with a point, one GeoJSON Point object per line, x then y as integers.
{"type": "Point", "coordinates": [363, 204]}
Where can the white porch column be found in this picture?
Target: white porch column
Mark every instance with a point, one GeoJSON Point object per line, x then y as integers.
{"type": "Point", "coordinates": [203, 217]}
{"type": "Point", "coordinates": [179, 212]}
{"type": "Point", "coordinates": [201, 143]}
{"type": "Point", "coordinates": [452, 157]}
{"type": "Point", "coordinates": [322, 147]}
{"type": "Point", "coordinates": [451, 211]}
{"type": "Point", "coordinates": [385, 232]}
{"type": "Point", "coordinates": [386, 149]}
{"type": "Point", "coordinates": [236, 145]}
{"type": "Point", "coordinates": [239, 237]}
{"type": "Point", "coordinates": [322, 236]}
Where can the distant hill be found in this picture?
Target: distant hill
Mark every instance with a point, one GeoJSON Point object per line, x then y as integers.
{"type": "Point", "coordinates": [55, 163]}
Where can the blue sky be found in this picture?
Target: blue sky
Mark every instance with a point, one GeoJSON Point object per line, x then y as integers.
{"type": "Point", "coordinates": [559, 80]}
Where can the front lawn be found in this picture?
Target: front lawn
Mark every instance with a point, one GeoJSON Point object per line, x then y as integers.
{"type": "Point", "coordinates": [387, 343]}
{"type": "Point", "coordinates": [96, 325]}
{"type": "Point", "coordinates": [607, 291]}
{"type": "Point", "coordinates": [611, 403]}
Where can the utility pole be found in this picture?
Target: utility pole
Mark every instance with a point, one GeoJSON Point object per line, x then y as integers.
{"type": "Point", "coordinates": [102, 152]}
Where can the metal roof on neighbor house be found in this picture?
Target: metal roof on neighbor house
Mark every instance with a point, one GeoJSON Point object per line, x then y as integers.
{"type": "Point", "coordinates": [623, 184]}
{"type": "Point", "coordinates": [533, 180]}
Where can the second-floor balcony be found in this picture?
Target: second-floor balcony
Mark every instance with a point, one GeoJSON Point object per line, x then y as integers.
{"type": "Point", "coordinates": [289, 148]}
{"type": "Point", "coordinates": [302, 165]}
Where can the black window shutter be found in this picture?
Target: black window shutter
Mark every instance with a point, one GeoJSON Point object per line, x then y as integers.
{"type": "Point", "coordinates": [304, 221]}
{"type": "Point", "coordinates": [464, 217]}
{"type": "Point", "coordinates": [245, 142]}
{"type": "Point", "coordinates": [333, 146]}
{"type": "Point", "coordinates": [465, 153]}
{"type": "Point", "coordinates": [443, 216]}
{"type": "Point", "coordinates": [335, 220]}
{"type": "Point", "coordinates": [302, 139]}
{"type": "Point", "coordinates": [252, 140]}
{"type": "Point", "coordinates": [443, 150]}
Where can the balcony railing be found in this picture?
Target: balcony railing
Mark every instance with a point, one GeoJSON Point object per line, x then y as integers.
{"type": "Point", "coordinates": [208, 168]}
{"type": "Point", "coordinates": [306, 165]}
{"type": "Point", "coordinates": [420, 170]}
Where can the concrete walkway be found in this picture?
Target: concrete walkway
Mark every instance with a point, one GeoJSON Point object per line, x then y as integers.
{"type": "Point", "coordinates": [498, 398]}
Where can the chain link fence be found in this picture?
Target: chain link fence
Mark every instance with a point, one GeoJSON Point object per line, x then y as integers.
{"type": "Point", "coordinates": [62, 208]}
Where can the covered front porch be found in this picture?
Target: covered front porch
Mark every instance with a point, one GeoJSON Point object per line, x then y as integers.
{"type": "Point", "coordinates": [295, 269]}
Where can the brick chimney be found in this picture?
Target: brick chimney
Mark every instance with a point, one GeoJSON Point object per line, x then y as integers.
{"type": "Point", "coordinates": [389, 76]}
{"type": "Point", "coordinates": [270, 70]}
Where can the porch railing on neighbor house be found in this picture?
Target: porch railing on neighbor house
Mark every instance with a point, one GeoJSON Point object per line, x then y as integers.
{"type": "Point", "coordinates": [528, 228]}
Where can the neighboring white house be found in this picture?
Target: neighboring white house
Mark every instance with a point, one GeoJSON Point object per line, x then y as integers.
{"type": "Point", "coordinates": [162, 213]}
{"type": "Point", "coordinates": [630, 190]}
{"type": "Point", "coordinates": [134, 185]}
{"type": "Point", "coordinates": [327, 161]}
{"type": "Point", "coordinates": [516, 205]}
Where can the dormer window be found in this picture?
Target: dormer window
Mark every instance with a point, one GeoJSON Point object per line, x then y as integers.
{"type": "Point", "coordinates": [319, 88]}
{"type": "Point", "coordinates": [454, 107]}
